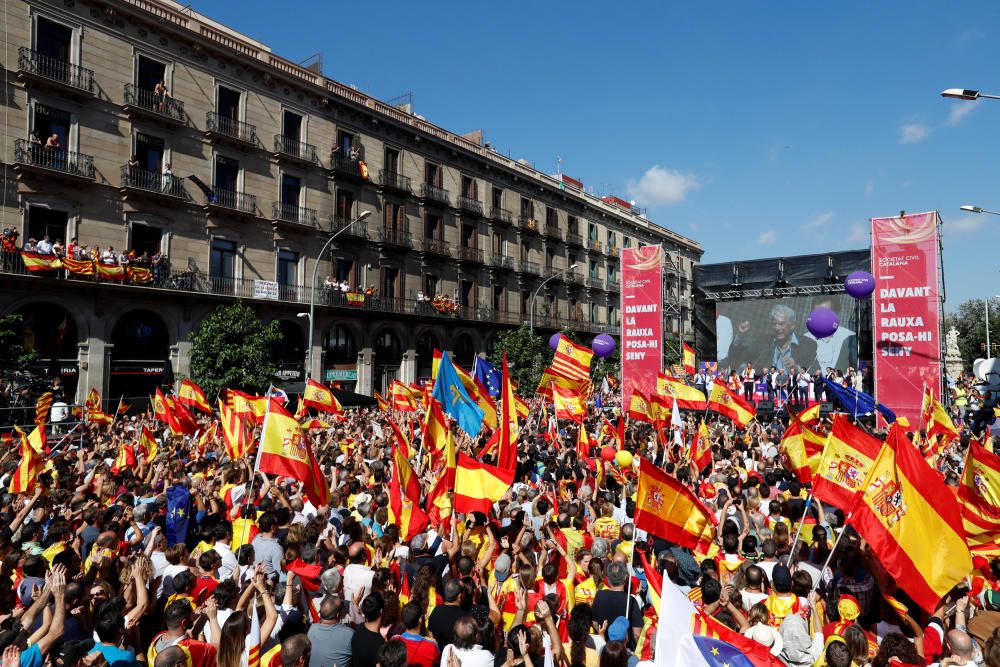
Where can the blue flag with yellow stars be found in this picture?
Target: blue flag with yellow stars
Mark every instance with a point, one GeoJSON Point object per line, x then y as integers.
{"type": "Point", "coordinates": [451, 394]}
{"type": "Point", "coordinates": [178, 514]}
{"type": "Point", "coordinates": [488, 375]}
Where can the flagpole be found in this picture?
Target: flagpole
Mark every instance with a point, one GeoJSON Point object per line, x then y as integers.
{"type": "Point", "coordinates": [801, 521]}
{"type": "Point", "coordinates": [834, 549]}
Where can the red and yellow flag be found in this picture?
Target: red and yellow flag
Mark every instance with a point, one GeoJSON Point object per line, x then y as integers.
{"type": "Point", "coordinates": [478, 485]}
{"type": "Point", "coordinates": [92, 407]}
{"type": "Point", "coordinates": [793, 452]}
{"type": "Point", "coordinates": [701, 447]}
{"type": "Point", "coordinates": [319, 397]}
{"type": "Point", "coordinates": [438, 501]}
{"type": "Point", "coordinates": [689, 359]}
{"type": "Point", "coordinates": [572, 360]}
{"type": "Point", "coordinates": [190, 394]}
{"type": "Point", "coordinates": [38, 439]}
{"type": "Point", "coordinates": [639, 407]}
{"type": "Point", "coordinates": [809, 415]}
{"type": "Point", "coordinates": [35, 262]}
{"type": "Point", "coordinates": [687, 397]}
{"type": "Point", "coordinates": [234, 433]}
{"type": "Point", "coordinates": [125, 459]}
{"type": "Point", "coordinates": [42, 408]}
{"type": "Point", "coordinates": [847, 458]}
{"type": "Point", "coordinates": [668, 509]}
{"type": "Point", "coordinates": [402, 398]}
{"type": "Point", "coordinates": [979, 496]}
{"type": "Point", "coordinates": [935, 420]}
{"type": "Point", "coordinates": [179, 418]}
{"type": "Point", "coordinates": [24, 478]}
{"type": "Point", "coordinates": [383, 404]}
{"type": "Point", "coordinates": [724, 401]}
{"type": "Point", "coordinates": [568, 404]}
{"type": "Point", "coordinates": [286, 450]}
{"type": "Point", "coordinates": [582, 442]}
{"type": "Point", "coordinates": [509, 430]}
{"type": "Point", "coordinates": [160, 406]}
{"type": "Point", "coordinates": [245, 404]}
{"type": "Point", "coordinates": [147, 443]}
{"type": "Point", "coordinates": [912, 522]}
{"type": "Point", "coordinates": [404, 498]}
{"type": "Point", "coordinates": [551, 376]}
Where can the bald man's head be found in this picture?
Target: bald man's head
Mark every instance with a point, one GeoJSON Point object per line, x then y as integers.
{"type": "Point", "coordinates": [960, 644]}
{"type": "Point", "coordinates": [331, 609]}
{"type": "Point", "coordinates": [356, 552]}
{"type": "Point", "coordinates": [171, 656]}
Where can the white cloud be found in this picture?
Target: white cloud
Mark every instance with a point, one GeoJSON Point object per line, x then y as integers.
{"type": "Point", "coordinates": [958, 112]}
{"type": "Point", "coordinates": [913, 133]}
{"type": "Point", "coordinates": [869, 187]}
{"type": "Point", "coordinates": [967, 223]}
{"type": "Point", "coordinates": [767, 237]}
{"type": "Point", "coordinates": [660, 186]}
{"type": "Point", "coordinates": [819, 221]}
{"type": "Point", "coordinates": [859, 234]}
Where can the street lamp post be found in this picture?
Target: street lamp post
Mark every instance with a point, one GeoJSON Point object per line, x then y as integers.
{"type": "Point", "coordinates": [531, 305]}
{"type": "Point", "coordinates": [312, 292]}
{"type": "Point", "coordinates": [968, 208]}
{"type": "Point", "coordinates": [966, 94]}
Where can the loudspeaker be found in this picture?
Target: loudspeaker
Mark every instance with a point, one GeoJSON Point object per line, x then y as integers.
{"type": "Point", "coordinates": [765, 406]}
{"type": "Point", "coordinates": [825, 409]}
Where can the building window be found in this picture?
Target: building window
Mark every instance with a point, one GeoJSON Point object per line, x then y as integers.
{"type": "Point", "coordinates": [525, 302]}
{"type": "Point", "coordinates": [550, 256]}
{"type": "Point", "coordinates": [46, 121]}
{"type": "Point", "coordinates": [390, 280]}
{"type": "Point", "coordinates": [395, 217]}
{"type": "Point", "coordinates": [344, 270]}
{"type": "Point", "coordinates": [291, 125]}
{"type": "Point", "coordinates": [222, 262]}
{"type": "Point", "coordinates": [149, 73]}
{"type": "Point", "coordinates": [149, 151]}
{"type": "Point", "coordinates": [469, 187]}
{"type": "Point", "coordinates": [146, 239]}
{"type": "Point", "coordinates": [431, 284]}
{"type": "Point", "coordinates": [628, 242]}
{"type": "Point", "coordinates": [340, 346]}
{"type": "Point", "coordinates": [498, 299]}
{"type": "Point", "coordinates": [391, 160]}
{"type": "Point", "coordinates": [527, 208]}
{"type": "Point", "coordinates": [227, 106]}
{"type": "Point", "coordinates": [467, 293]}
{"type": "Point", "coordinates": [291, 190]}
{"type": "Point", "coordinates": [433, 175]}
{"type": "Point", "coordinates": [592, 269]}
{"type": "Point", "coordinates": [612, 243]}
{"type": "Point", "coordinates": [54, 40]}
{"type": "Point", "coordinates": [227, 174]}
{"type": "Point", "coordinates": [468, 236]}
{"type": "Point", "coordinates": [612, 314]}
{"type": "Point", "coordinates": [345, 142]}
{"type": "Point", "coordinates": [288, 267]}
{"type": "Point", "coordinates": [432, 226]}
{"type": "Point", "coordinates": [49, 222]}
{"type": "Point", "coordinates": [593, 312]}
{"type": "Point", "coordinates": [345, 204]}
{"type": "Point", "coordinates": [591, 232]}
{"type": "Point", "coordinates": [612, 272]}
{"type": "Point", "coordinates": [551, 217]}
{"type": "Point", "coordinates": [571, 259]}
{"type": "Point", "coordinates": [573, 224]}
{"type": "Point", "coordinates": [497, 197]}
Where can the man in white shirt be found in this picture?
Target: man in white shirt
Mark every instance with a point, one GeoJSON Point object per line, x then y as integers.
{"type": "Point", "coordinates": [45, 246]}
{"type": "Point", "coordinates": [223, 534]}
{"type": "Point", "coordinates": [357, 578]}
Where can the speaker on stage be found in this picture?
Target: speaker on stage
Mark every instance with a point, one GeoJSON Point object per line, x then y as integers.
{"type": "Point", "coordinates": [765, 408]}
{"type": "Point", "coordinates": [825, 409]}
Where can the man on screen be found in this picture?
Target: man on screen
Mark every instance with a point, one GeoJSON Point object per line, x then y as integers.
{"type": "Point", "coordinates": [839, 350]}
{"type": "Point", "coordinates": [786, 348]}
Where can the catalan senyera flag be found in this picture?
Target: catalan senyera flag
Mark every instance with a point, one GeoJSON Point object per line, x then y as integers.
{"type": "Point", "coordinates": [42, 408]}
{"type": "Point", "coordinates": [572, 360]}
{"type": "Point", "coordinates": [935, 419]}
{"type": "Point", "coordinates": [478, 485]}
{"type": "Point", "coordinates": [319, 397]}
{"type": "Point", "coordinates": [847, 459]}
{"type": "Point", "coordinates": [285, 450]}
{"type": "Point", "coordinates": [912, 522]}
{"type": "Point", "coordinates": [701, 447]}
{"type": "Point", "coordinates": [979, 495]}
{"type": "Point", "coordinates": [38, 439]}
{"type": "Point", "coordinates": [92, 408]}
{"type": "Point", "coordinates": [725, 401]}
{"type": "Point", "coordinates": [639, 407]}
{"type": "Point", "coordinates": [191, 395]}
{"type": "Point", "coordinates": [688, 360]}
{"type": "Point", "coordinates": [568, 404]}
{"type": "Point", "coordinates": [668, 509]}
{"type": "Point", "coordinates": [147, 443]}
{"type": "Point", "coordinates": [402, 398]}
{"type": "Point", "coordinates": [24, 478]}
{"type": "Point", "coordinates": [551, 376]}
{"type": "Point", "coordinates": [687, 397]}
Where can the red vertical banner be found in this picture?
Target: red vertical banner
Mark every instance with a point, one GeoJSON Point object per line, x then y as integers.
{"type": "Point", "coordinates": [642, 319]}
{"type": "Point", "coordinates": [907, 311]}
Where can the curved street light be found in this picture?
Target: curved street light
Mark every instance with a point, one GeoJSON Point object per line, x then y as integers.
{"type": "Point", "coordinates": [531, 306]}
{"type": "Point", "coordinates": [966, 94]}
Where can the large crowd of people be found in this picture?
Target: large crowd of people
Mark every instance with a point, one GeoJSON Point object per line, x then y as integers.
{"type": "Point", "coordinates": [192, 559]}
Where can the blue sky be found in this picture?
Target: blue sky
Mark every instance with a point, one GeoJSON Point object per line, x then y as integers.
{"type": "Point", "coordinates": [758, 129]}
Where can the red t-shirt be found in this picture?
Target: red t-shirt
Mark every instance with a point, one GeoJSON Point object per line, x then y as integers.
{"type": "Point", "coordinates": [420, 651]}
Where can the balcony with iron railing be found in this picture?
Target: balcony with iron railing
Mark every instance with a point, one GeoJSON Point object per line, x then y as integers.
{"type": "Point", "coordinates": [226, 128]}
{"type": "Point", "coordinates": [553, 231]}
{"type": "Point", "coordinates": [501, 261]}
{"type": "Point", "coordinates": [292, 214]}
{"type": "Point", "coordinates": [470, 205]}
{"type": "Point", "coordinates": [357, 230]}
{"type": "Point", "coordinates": [345, 165]}
{"type": "Point", "coordinates": [466, 254]}
{"type": "Point", "coordinates": [594, 245]}
{"type": "Point", "coordinates": [573, 238]}
{"type": "Point", "coordinates": [66, 163]}
{"type": "Point", "coordinates": [526, 223]}
{"type": "Point", "coordinates": [502, 215]}
{"type": "Point", "coordinates": [394, 181]}
{"type": "Point", "coordinates": [532, 268]}
{"type": "Point", "coordinates": [612, 251]}
{"type": "Point", "coordinates": [292, 148]}
{"type": "Point", "coordinates": [395, 237]}
{"type": "Point", "coordinates": [230, 201]}
{"type": "Point", "coordinates": [573, 277]}
{"type": "Point", "coordinates": [154, 183]}
{"type": "Point", "coordinates": [435, 247]}
{"type": "Point", "coordinates": [156, 106]}
{"type": "Point", "coordinates": [435, 194]}
{"type": "Point", "coordinates": [593, 282]}
{"type": "Point", "coordinates": [48, 69]}
{"type": "Point", "coordinates": [612, 284]}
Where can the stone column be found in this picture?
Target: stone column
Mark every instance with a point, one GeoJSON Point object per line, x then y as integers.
{"type": "Point", "coordinates": [366, 359]}
{"type": "Point", "coordinates": [408, 369]}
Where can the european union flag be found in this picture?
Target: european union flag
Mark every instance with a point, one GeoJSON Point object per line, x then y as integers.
{"type": "Point", "coordinates": [857, 402]}
{"type": "Point", "coordinates": [451, 394]}
{"type": "Point", "coordinates": [489, 376]}
{"type": "Point", "coordinates": [178, 514]}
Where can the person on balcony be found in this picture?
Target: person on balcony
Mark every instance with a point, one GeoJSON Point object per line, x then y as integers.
{"type": "Point", "coordinates": [160, 95]}
{"type": "Point", "coordinates": [168, 178]}
{"type": "Point", "coordinates": [31, 245]}
{"type": "Point", "coordinates": [108, 256]}
{"type": "Point", "coordinates": [53, 142]}
{"type": "Point", "coordinates": [57, 248]}
{"type": "Point", "coordinates": [355, 153]}
{"type": "Point", "coordinates": [44, 247]}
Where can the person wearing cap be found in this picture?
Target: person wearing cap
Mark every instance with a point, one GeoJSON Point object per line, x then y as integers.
{"type": "Point", "coordinates": [848, 610]}
{"type": "Point", "coordinates": [617, 635]}
{"type": "Point", "coordinates": [782, 601]}
{"type": "Point", "coordinates": [761, 632]}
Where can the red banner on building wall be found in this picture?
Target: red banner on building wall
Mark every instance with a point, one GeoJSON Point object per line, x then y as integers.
{"type": "Point", "coordinates": [907, 311]}
{"type": "Point", "coordinates": [642, 319]}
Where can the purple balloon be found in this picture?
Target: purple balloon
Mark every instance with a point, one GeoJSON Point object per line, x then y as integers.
{"type": "Point", "coordinates": [860, 284]}
{"type": "Point", "coordinates": [822, 323]}
{"type": "Point", "coordinates": [554, 340]}
{"type": "Point", "coordinates": [603, 345]}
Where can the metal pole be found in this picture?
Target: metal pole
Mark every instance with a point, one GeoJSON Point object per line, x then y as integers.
{"type": "Point", "coordinates": [531, 305]}
{"type": "Point", "coordinates": [987, 327]}
{"type": "Point", "coordinates": [801, 521]}
{"type": "Point", "coordinates": [312, 287]}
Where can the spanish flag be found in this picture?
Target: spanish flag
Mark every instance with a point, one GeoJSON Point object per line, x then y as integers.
{"type": "Point", "coordinates": [147, 443]}
{"type": "Point", "coordinates": [438, 501]}
{"type": "Point", "coordinates": [110, 271]}
{"type": "Point", "coordinates": [688, 359]}
{"type": "Point", "coordinates": [35, 263]}
{"type": "Point", "coordinates": [728, 404]}
{"type": "Point", "coordinates": [179, 418]}
{"type": "Point", "coordinates": [582, 442]}
{"type": "Point", "coordinates": [572, 360]}
{"type": "Point", "coordinates": [568, 404]}
{"type": "Point", "coordinates": [639, 407]}
{"type": "Point", "coordinates": [668, 509]}
{"type": "Point", "coordinates": [93, 408]}
{"type": "Point", "coordinates": [245, 404]}
{"type": "Point", "coordinates": [815, 443]}
{"type": "Point", "coordinates": [285, 450]}
{"type": "Point", "coordinates": [23, 479]}
{"type": "Point", "coordinates": [661, 408]}
{"type": "Point", "coordinates": [935, 420]}
{"type": "Point", "coordinates": [912, 522]}
{"type": "Point", "coordinates": [319, 397]}
{"type": "Point", "coordinates": [125, 459]}
{"type": "Point", "coordinates": [478, 486]}
{"type": "Point", "coordinates": [509, 430]}
{"type": "Point", "coordinates": [979, 496]}
{"type": "Point", "coordinates": [160, 406]}
{"type": "Point", "coordinates": [405, 478]}
{"type": "Point", "coordinates": [402, 399]}
{"type": "Point", "coordinates": [687, 397]}
{"type": "Point", "coordinates": [793, 452]}
{"type": "Point", "coordinates": [847, 458]}
{"type": "Point", "coordinates": [383, 404]}
{"type": "Point", "coordinates": [191, 395]}
{"type": "Point", "coordinates": [701, 447]}
{"type": "Point", "coordinates": [404, 499]}
{"type": "Point", "coordinates": [809, 415]}
{"type": "Point", "coordinates": [42, 408]}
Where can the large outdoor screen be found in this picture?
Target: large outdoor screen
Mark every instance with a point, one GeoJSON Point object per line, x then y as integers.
{"type": "Point", "coordinates": [772, 332]}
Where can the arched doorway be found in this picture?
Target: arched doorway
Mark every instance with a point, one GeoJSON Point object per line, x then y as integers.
{"type": "Point", "coordinates": [388, 353]}
{"type": "Point", "coordinates": [291, 353]}
{"type": "Point", "coordinates": [340, 357]}
{"type": "Point", "coordinates": [140, 358]}
{"type": "Point", "coordinates": [427, 342]}
{"type": "Point", "coordinates": [50, 332]}
{"type": "Point", "coordinates": [465, 351]}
